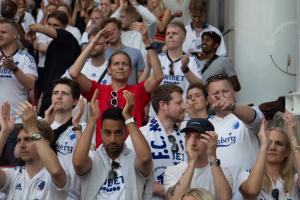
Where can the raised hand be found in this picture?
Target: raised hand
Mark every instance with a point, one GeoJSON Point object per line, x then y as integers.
{"type": "Point", "coordinates": [223, 104]}
{"type": "Point", "coordinates": [80, 110]}
{"type": "Point", "coordinates": [7, 123]}
{"type": "Point", "coordinates": [94, 106]}
{"type": "Point", "coordinates": [291, 122]}
{"type": "Point", "coordinates": [192, 154]}
{"type": "Point", "coordinates": [263, 134]}
{"type": "Point", "coordinates": [184, 61]}
{"type": "Point", "coordinates": [143, 29]}
{"type": "Point", "coordinates": [210, 139]}
{"type": "Point", "coordinates": [28, 115]}
{"type": "Point", "coordinates": [128, 108]}
{"type": "Point", "coordinates": [190, 109]}
{"type": "Point", "coordinates": [8, 63]}
{"type": "Point", "coordinates": [50, 113]}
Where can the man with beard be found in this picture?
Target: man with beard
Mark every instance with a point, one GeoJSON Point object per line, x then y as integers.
{"type": "Point", "coordinates": [42, 177]}
{"type": "Point", "coordinates": [198, 11]}
{"type": "Point", "coordinates": [114, 171]}
{"type": "Point", "coordinates": [213, 64]}
{"type": "Point", "coordinates": [95, 67]}
{"type": "Point", "coordinates": [162, 133]}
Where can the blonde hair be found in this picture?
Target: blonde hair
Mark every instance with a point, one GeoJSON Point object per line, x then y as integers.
{"type": "Point", "coordinates": [198, 194]}
{"type": "Point", "coordinates": [287, 169]}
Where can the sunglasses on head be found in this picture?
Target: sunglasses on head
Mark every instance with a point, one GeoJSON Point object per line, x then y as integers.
{"type": "Point", "coordinates": [216, 77]}
{"type": "Point", "coordinates": [175, 147]}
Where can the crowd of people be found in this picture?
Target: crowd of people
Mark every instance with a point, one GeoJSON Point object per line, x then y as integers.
{"type": "Point", "coordinates": [131, 100]}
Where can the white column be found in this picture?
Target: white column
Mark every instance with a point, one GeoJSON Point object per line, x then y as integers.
{"type": "Point", "coordinates": [261, 29]}
{"type": "Point", "coordinates": [298, 36]}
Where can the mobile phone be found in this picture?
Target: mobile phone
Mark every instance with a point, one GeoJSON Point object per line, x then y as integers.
{"type": "Point", "coordinates": [194, 53]}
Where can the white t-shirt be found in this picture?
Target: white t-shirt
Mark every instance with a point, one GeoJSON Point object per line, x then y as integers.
{"type": "Point", "coordinates": [178, 78]}
{"type": "Point", "coordinates": [202, 177]}
{"type": "Point", "coordinates": [237, 145]}
{"type": "Point", "coordinates": [27, 21]}
{"type": "Point", "coordinates": [42, 39]}
{"type": "Point", "coordinates": [84, 38]}
{"type": "Point", "coordinates": [10, 88]}
{"type": "Point", "coordinates": [19, 186]}
{"type": "Point", "coordinates": [65, 146]}
{"type": "Point", "coordinates": [278, 185]}
{"type": "Point", "coordinates": [74, 31]}
{"type": "Point", "coordinates": [113, 188]}
{"type": "Point", "coordinates": [193, 42]}
{"type": "Point", "coordinates": [133, 38]}
{"type": "Point", "coordinates": [94, 73]}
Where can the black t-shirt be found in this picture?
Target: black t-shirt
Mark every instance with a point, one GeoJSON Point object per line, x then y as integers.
{"type": "Point", "coordinates": [61, 54]}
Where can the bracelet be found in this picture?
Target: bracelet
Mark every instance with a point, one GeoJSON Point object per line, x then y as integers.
{"type": "Point", "coordinates": [128, 121]}
{"type": "Point", "coordinates": [297, 148]}
{"type": "Point", "coordinates": [185, 70]}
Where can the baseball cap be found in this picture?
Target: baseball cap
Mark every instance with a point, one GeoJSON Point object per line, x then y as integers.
{"type": "Point", "coordinates": [199, 125]}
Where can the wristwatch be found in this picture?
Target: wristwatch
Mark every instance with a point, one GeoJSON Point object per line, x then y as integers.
{"type": "Point", "coordinates": [216, 162]}
{"type": "Point", "coordinates": [36, 136]}
{"type": "Point", "coordinates": [128, 121]}
{"type": "Point", "coordinates": [77, 128]}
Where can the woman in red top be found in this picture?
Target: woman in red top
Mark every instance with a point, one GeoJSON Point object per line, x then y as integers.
{"type": "Point", "coordinates": [119, 68]}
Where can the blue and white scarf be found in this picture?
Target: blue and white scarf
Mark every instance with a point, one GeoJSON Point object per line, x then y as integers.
{"type": "Point", "coordinates": [161, 147]}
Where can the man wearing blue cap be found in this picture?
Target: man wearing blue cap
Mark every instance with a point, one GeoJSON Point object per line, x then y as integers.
{"type": "Point", "coordinates": [202, 168]}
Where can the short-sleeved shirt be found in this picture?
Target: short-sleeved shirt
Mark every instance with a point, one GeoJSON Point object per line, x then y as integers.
{"type": "Point", "coordinates": [94, 73]}
{"type": "Point", "coordinates": [221, 65]}
{"type": "Point", "coordinates": [202, 177]}
{"type": "Point", "coordinates": [179, 77]}
{"type": "Point", "coordinates": [19, 186]}
{"type": "Point", "coordinates": [113, 188]}
{"type": "Point", "coordinates": [237, 141]}
{"type": "Point", "coordinates": [10, 88]}
{"type": "Point", "coordinates": [65, 147]}
{"type": "Point", "coordinates": [279, 185]}
{"type": "Point", "coordinates": [193, 42]}
{"type": "Point", "coordinates": [137, 61]}
{"type": "Point", "coordinates": [142, 98]}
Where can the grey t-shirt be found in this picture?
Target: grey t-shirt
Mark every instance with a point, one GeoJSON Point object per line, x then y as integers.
{"type": "Point", "coordinates": [221, 65]}
{"type": "Point", "coordinates": [137, 61]}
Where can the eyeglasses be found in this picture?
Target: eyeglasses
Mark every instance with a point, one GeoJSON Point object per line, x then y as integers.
{"type": "Point", "coordinates": [175, 147]}
{"type": "Point", "coordinates": [171, 69]}
{"type": "Point", "coordinates": [114, 99]}
{"type": "Point", "coordinates": [275, 193]}
{"type": "Point", "coordinates": [112, 174]}
{"type": "Point", "coordinates": [216, 77]}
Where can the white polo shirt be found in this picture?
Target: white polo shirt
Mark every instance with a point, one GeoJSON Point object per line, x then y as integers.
{"type": "Point", "coordinates": [19, 186]}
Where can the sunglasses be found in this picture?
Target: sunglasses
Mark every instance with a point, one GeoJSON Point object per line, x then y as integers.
{"type": "Point", "coordinates": [275, 193]}
{"type": "Point", "coordinates": [171, 69]}
{"type": "Point", "coordinates": [112, 174]}
{"type": "Point", "coordinates": [216, 77]}
{"type": "Point", "coordinates": [114, 99]}
{"type": "Point", "coordinates": [175, 147]}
